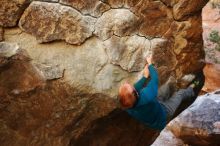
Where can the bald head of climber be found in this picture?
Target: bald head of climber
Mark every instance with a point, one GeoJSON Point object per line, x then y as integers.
{"type": "Point", "coordinates": [127, 96]}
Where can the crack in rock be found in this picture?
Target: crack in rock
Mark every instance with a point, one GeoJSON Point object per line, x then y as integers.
{"type": "Point", "coordinates": [94, 8]}
{"type": "Point", "coordinates": [120, 22]}
{"type": "Point", "coordinates": [129, 55]}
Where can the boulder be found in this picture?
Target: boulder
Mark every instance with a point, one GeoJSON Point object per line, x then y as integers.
{"type": "Point", "coordinates": [36, 112]}
{"type": "Point", "coordinates": [63, 90]}
{"type": "Point", "coordinates": [11, 11]}
{"type": "Point", "coordinates": [197, 125]}
{"type": "Point", "coordinates": [52, 21]}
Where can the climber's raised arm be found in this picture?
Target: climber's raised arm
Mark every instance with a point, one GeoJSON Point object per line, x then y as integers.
{"type": "Point", "coordinates": [140, 84]}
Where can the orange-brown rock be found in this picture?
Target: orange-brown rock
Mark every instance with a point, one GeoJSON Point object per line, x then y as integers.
{"type": "Point", "coordinates": [92, 7]}
{"type": "Point", "coordinates": [155, 16]}
{"type": "Point", "coordinates": [1, 34]}
{"type": "Point", "coordinates": [191, 53]}
{"type": "Point", "coordinates": [170, 3]}
{"type": "Point", "coordinates": [11, 11]}
{"type": "Point", "coordinates": [121, 3]}
{"type": "Point", "coordinates": [212, 77]}
{"type": "Point", "coordinates": [17, 75]}
{"type": "Point", "coordinates": [185, 8]}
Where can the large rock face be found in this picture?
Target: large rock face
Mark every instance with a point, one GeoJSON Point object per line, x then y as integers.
{"type": "Point", "coordinates": [197, 125]}
{"type": "Point", "coordinates": [62, 91]}
{"type": "Point", "coordinates": [39, 112]}
{"type": "Point", "coordinates": [141, 20]}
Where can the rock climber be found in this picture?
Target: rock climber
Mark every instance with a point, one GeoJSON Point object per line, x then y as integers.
{"type": "Point", "coordinates": [141, 100]}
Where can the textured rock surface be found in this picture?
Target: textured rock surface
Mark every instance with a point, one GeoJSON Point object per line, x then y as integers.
{"type": "Point", "coordinates": [150, 19]}
{"type": "Point", "coordinates": [121, 129]}
{"type": "Point", "coordinates": [185, 8]}
{"type": "Point", "coordinates": [1, 34]}
{"type": "Point", "coordinates": [112, 23]}
{"type": "Point", "coordinates": [212, 74]}
{"type": "Point", "coordinates": [210, 22]}
{"type": "Point", "coordinates": [36, 112]}
{"type": "Point", "coordinates": [71, 95]}
{"type": "Point", "coordinates": [129, 55]}
{"type": "Point", "coordinates": [93, 7]}
{"type": "Point", "coordinates": [50, 21]}
{"type": "Point", "coordinates": [8, 50]}
{"type": "Point", "coordinates": [20, 77]}
{"type": "Point", "coordinates": [85, 66]}
{"type": "Point", "coordinates": [156, 18]}
{"type": "Point", "coordinates": [11, 11]}
{"type": "Point", "coordinates": [197, 125]}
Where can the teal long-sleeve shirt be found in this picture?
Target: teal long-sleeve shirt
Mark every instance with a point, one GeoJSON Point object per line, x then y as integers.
{"type": "Point", "coordinates": [147, 109]}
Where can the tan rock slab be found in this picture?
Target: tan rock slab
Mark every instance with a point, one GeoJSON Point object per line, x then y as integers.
{"type": "Point", "coordinates": [129, 55]}
{"type": "Point", "coordinates": [120, 22]}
